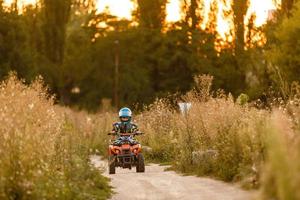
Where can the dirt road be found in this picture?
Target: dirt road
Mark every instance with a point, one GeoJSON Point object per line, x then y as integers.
{"type": "Point", "coordinates": [157, 184]}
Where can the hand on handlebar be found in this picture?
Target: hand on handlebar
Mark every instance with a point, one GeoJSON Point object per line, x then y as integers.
{"type": "Point", "coordinates": [112, 133]}
{"type": "Point", "coordinates": [135, 133]}
{"type": "Point", "coordinates": [138, 133]}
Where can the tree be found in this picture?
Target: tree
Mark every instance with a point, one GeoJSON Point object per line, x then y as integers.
{"type": "Point", "coordinates": [16, 52]}
{"type": "Point", "coordinates": [151, 13]}
{"type": "Point", "coordinates": [191, 9]}
{"type": "Point", "coordinates": [56, 16]}
{"type": "Point", "coordinates": [284, 52]}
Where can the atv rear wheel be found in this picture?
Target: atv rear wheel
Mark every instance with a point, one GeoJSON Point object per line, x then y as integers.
{"type": "Point", "coordinates": [112, 165]}
{"type": "Point", "coordinates": [140, 167]}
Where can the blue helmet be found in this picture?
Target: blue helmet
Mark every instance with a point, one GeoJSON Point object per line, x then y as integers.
{"type": "Point", "coordinates": [125, 112]}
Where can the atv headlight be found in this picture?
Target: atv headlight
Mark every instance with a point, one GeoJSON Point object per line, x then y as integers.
{"type": "Point", "coordinates": [136, 148]}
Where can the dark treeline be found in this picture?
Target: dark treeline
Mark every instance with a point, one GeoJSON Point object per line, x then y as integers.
{"type": "Point", "coordinates": [80, 53]}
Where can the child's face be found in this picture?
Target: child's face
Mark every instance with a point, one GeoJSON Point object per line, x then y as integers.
{"type": "Point", "coordinates": [124, 119]}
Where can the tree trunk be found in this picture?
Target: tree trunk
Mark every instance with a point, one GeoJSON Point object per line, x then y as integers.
{"type": "Point", "coordinates": [240, 8]}
{"type": "Point", "coordinates": [287, 6]}
{"type": "Point", "coordinates": [193, 14]}
{"type": "Point", "coordinates": [152, 13]}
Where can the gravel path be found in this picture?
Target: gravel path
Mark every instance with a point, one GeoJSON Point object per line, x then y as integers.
{"type": "Point", "coordinates": [157, 184]}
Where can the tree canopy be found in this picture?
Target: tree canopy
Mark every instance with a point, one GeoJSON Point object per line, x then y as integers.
{"type": "Point", "coordinates": [78, 51]}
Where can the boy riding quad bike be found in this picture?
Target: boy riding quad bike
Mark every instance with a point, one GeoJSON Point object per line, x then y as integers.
{"type": "Point", "coordinates": [125, 151]}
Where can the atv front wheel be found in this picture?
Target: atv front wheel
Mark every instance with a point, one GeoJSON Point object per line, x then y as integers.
{"type": "Point", "coordinates": [140, 167]}
{"type": "Point", "coordinates": [112, 165]}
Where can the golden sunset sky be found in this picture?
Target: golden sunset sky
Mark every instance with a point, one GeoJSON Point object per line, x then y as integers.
{"type": "Point", "coordinates": [124, 8]}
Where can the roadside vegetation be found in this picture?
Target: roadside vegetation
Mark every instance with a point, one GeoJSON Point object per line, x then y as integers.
{"type": "Point", "coordinates": [44, 149]}
{"type": "Point", "coordinates": [232, 140]}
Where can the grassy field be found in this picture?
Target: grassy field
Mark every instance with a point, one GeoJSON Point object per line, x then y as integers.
{"type": "Point", "coordinates": [44, 149]}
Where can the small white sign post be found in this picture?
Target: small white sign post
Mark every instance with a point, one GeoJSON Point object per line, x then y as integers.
{"type": "Point", "coordinates": [184, 107]}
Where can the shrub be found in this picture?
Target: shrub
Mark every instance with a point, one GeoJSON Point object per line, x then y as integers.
{"type": "Point", "coordinates": [229, 139]}
{"type": "Point", "coordinates": [159, 124]}
{"type": "Point", "coordinates": [216, 137]}
{"type": "Point", "coordinates": [43, 153]}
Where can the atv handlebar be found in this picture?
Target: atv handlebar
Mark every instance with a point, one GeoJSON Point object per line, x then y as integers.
{"type": "Point", "coordinates": [134, 134]}
{"type": "Point", "coordinates": [138, 133]}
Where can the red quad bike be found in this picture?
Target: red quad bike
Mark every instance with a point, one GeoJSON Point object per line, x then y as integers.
{"type": "Point", "coordinates": [126, 152]}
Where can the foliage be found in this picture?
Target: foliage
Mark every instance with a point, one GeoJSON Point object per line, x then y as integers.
{"type": "Point", "coordinates": [230, 133]}
{"type": "Point", "coordinates": [151, 13]}
{"type": "Point", "coordinates": [43, 151]}
{"type": "Point", "coordinates": [283, 53]}
{"type": "Point", "coordinates": [156, 58]}
{"type": "Point", "coordinates": [15, 46]}
{"type": "Point", "coordinates": [228, 140]}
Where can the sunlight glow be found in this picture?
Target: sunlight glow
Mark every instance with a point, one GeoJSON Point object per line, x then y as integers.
{"type": "Point", "coordinates": [224, 25]}
{"type": "Point", "coordinates": [173, 11]}
{"type": "Point", "coordinates": [21, 3]}
{"type": "Point", "coordinates": [120, 8]}
{"type": "Point", "coordinates": [206, 5]}
{"type": "Point", "coordinates": [261, 10]}
{"type": "Point", "coordinates": [124, 8]}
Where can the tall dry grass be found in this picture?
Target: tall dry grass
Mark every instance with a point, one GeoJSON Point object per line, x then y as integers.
{"type": "Point", "coordinates": [44, 151]}
{"type": "Point", "coordinates": [228, 139]}
{"type": "Point", "coordinates": [281, 177]}
{"type": "Point", "coordinates": [159, 124]}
